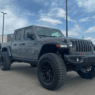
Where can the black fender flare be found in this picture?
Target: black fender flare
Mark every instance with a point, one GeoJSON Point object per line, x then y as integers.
{"type": "Point", "coordinates": [8, 50]}
{"type": "Point", "coordinates": [44, 45]}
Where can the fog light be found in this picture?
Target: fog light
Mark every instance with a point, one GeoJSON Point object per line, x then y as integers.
{"type": "Point", "coordinates": [77, 59]}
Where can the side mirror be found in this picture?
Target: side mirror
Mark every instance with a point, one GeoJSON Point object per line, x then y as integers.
{"type": "Point", "coordinates": [32, 36]}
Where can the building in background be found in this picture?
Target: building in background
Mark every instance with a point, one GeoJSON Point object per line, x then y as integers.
{"type": "Point", "coordinates": [10, 37]}
{"type": "Point", "coordinates": [6, 38]}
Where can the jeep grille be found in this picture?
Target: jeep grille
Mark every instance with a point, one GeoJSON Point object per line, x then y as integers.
{"type": "Point", "coordinates": [83, 46]}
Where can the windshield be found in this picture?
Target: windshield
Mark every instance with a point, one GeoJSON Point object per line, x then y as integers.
{"type": "Point", "coordinates": [48, 32]}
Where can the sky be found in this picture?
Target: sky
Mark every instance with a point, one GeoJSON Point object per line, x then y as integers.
{"type": "Point", "coordinates": [50, 13]}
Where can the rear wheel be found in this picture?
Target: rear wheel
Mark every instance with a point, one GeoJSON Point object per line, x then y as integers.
{"type": "Point", "coordinates": [87, 73]}
{"type": "Point", "coordinates": [5, 61]}
{"type": "Point", "coordinates": [51, 71]}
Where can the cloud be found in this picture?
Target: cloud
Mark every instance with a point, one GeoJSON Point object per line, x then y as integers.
{"type": "Point", "coordinates": [57, 3]}
{"type": "Point", "coordinates": [89, 5]}
{"type": "Point", "coordinates": [52, 3]}
{"type": "Point", "coordinates": [50, 17]}
{"type": "Point", "coordinates": [50, 20]}
{"type": "Point", "coordinates": [6, 2]}
{"type": "Point", "coordinates": [43, 2]}
{"type": "Point", "coordinates": [56, 13]}
{"type": "Point", "coordinates": [84, 19]}
{"type": "Point", "coordinates": [72, 32]}
{"type": "Point", "coordinates": [90, 30]}
{"type": "Point", "coordinates": [28, 13]}
{"type": "Point", "coordinates": [93, 16]}
{"type": "Point", "coordinates": [59, 13]}
{"type": "Point", "coordinates": [13, 20]}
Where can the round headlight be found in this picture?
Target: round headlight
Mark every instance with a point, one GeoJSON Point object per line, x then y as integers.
{"type": "Point", "coordinates": [70, 44]}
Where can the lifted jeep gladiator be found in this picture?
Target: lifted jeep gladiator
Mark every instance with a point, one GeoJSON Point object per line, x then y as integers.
{"type": "Point", "coordinates": [52, 53]}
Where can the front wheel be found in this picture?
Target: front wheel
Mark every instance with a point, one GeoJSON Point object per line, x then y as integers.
{"type": "Point", "coordinates": [87, 73]}
{"type": "Point", "coordinates": [51, 71]}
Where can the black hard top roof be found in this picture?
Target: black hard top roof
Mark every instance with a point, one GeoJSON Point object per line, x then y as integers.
{"type": "Point", "coordinates": [34, 26]}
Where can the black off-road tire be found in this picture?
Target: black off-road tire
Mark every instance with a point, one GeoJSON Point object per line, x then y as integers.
{"type": "Point", "coordinates": [87, 75]}
{"type": "Point", "coordinates": [58, 71]}
{"type": "Point", "coordinates": [5, 61]}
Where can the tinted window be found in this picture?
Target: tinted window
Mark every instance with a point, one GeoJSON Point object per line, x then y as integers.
{"type": "Point", "coordinates": [18, 35]}
{"type": "Point", "coordinates": [26, 32]}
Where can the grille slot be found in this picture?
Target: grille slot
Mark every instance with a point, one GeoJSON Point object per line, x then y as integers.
{"type": "Point", "coordinates": [83, 46]}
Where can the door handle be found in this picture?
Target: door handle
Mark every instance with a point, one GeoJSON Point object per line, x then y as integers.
{"type": "Point", "coordinates": [22, 44]}
{"type": "Point", "coordinates": [15, 44]}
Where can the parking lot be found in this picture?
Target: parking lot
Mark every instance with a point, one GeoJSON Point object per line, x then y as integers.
{"type": "Point", "coordinates": [22, 80]}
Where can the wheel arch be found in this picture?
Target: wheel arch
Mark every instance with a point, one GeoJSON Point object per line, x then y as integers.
{"type": "Point", "coordinates": [48, 48]}
{"type": "Point", "coordinates": [8, 49]}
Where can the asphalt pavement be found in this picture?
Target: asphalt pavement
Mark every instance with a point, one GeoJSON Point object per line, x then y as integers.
{"type": "Point", "coordinates": [22, 80]}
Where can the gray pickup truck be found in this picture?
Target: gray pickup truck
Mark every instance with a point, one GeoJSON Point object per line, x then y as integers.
{"type": "Point", "coordinates": [51, 52]}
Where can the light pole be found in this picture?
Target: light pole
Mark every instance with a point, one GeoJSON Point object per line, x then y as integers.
{"type": "Point", "coordinates": [3, 25]}
{"type": "Point", "coordinates": [66, 18]}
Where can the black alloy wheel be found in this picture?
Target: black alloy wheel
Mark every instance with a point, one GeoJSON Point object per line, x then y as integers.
{"type": "Point", "coordinates": [47, 73]}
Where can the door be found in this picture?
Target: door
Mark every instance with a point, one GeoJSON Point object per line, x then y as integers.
{"type": "Point", "coordinates": [16, 49]}
{"type": "Point", "coordinates": [28, 46]}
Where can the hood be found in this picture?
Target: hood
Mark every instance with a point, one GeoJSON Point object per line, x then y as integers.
{"type": "Point", "coordinates": [62, 39]}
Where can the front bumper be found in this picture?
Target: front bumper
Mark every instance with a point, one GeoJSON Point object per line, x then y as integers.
{"type": "Point", "coordinates": [83, 60]}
